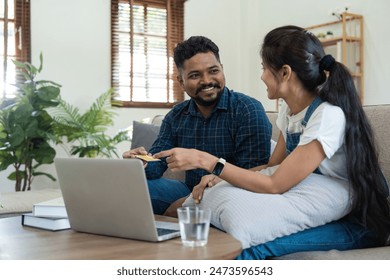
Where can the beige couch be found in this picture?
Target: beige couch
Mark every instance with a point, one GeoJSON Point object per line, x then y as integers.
{"type": "Point", "coordinates": [17, 203]}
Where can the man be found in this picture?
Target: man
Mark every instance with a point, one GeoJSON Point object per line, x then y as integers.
{"type": "Point", "coordinates": [215, 119]}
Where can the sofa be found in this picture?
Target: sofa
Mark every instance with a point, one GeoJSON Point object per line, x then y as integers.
{"type": "Point", "coordinates": [145, 133]}
{"type": "Point", "coordinates": [378, 116]}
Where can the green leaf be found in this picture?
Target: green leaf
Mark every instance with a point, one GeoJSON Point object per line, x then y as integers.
{"type": "Point", "coordinates": [31, 129]}
{"type": "Point", "coordinates": [13, 175]}
{"type": "Point", "coordinates": [25, 75]}
{"type": "Point", "coordinates": [46, 82]}
{"type": "Point", "coordinates": [121, 136]}
{"type": "Point", "coordinates": [6, 161]}
{"type": "Point", "coordinates": [31, 69]}
{"type": "Point", "coordinates": [44, 154]}
{"type": "Point", "coordinates": [21, 116]}
{"type": "Point", "coordinates": [16, 137]}
{"type": "Point", "coordinates": [48, 93]}
{"type": "Point", "coordinates": [20, 64]}
{"type": "Point", "coordinates": [45, 174]}
{"type": "Point", "coordinates": [40, 62]}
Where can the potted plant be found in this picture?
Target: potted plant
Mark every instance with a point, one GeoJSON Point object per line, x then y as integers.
{"type": "Point", "coordinates": [329, 34]}
{"type": "Point", "coordinates": [86, 132]}
{"type": "Point", "coordinates": [26, 129]}
{"type": "Point", "coordinates": [38, 117]}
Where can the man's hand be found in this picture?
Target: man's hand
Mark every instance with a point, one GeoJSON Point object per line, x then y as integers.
{"type": "Point", "coordinates": [134, 152]}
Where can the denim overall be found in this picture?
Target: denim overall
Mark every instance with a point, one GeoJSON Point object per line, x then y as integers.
{"type": "Point", "coordinates": [293, 138]}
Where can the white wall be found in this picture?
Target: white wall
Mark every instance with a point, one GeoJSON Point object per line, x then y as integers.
{"type": "Point", "coordinates": [246, 22]}
{"type": "Point", "coordinates": [219, 20]}
{"type": "Point", "coordinates": [74, 37]}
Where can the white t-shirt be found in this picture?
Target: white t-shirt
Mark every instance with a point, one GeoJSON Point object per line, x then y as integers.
{"type": "Point", "coordinates": [327, 125]}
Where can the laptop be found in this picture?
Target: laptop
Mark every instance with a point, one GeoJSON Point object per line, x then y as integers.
{"type": "Point", "coordinates": [110, 197]}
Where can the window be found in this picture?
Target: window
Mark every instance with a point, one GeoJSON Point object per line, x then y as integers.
{"type": "Point", "coordinates": [144, 34]}
{"type": "Point", "coordinates": [15, 42]}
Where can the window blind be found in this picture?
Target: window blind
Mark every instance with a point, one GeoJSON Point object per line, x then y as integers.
{"type": "Point", "coordinates": [143, 35]}
{"type": "Point", "coordinates": [15, 39]}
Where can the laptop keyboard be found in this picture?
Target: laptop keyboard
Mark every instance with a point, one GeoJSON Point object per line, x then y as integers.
{"type": "Point", "coordinates": [164, 231]}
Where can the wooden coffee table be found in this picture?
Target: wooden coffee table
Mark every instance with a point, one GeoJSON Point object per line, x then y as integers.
{"type": "Point", "coordinates": [18, 242]}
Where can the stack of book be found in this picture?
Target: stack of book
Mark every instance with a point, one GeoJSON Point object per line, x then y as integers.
{"type": "Point", "coordinates": [49, 215]}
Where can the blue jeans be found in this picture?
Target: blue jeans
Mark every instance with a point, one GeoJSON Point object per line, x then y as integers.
{"type": "Point", "coordinates": [341, 235]}
{"type": "Point", "coordinates": [163, 192]}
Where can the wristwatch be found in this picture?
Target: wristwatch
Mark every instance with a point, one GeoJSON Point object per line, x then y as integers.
{"type": "Point", "coordinates": [218, 168]}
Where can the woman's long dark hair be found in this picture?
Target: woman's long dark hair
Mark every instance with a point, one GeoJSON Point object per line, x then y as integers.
{"type": "Point", "coordinates": [303, 52]}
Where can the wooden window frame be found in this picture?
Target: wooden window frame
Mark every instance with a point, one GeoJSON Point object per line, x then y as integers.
{"type": "Point", "coordinates": [22, 23]}
{"type": "Point", "coordinates": [174, 34]}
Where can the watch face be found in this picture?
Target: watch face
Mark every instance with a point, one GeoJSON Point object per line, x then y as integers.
{"type": "Point", "coordinates": [218, 168]}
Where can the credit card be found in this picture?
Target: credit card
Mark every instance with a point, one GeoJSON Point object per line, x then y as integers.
{"type": "Point", "coordinates": [147, 158]}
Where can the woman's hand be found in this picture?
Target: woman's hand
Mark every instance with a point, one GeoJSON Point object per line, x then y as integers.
{"type": "Point", "coordinates": [206, 181]}
{"type": "Point", "coordinates": [179, 159]}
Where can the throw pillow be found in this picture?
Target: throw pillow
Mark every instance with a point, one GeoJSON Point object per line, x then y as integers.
{"type": "Point", "coordinates": [144, 135]}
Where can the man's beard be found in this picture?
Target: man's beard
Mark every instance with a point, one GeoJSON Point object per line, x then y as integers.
{"type": "Point", "coordinates": [208, 103]}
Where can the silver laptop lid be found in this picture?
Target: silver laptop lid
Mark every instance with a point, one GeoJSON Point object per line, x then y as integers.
{"type": "Point", "coordinates": [108, 197]}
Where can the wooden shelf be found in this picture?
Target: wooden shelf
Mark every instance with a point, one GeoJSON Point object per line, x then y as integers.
{"type": "Point", "coordinates": [348, 44]}
{"type": "Point", "coordinates": [334, 40]}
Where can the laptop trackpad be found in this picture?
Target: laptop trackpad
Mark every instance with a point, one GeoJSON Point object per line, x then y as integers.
{"type": "Point", "coordinates": [167, 229]}
{"type": "Point", "coordinates": [167, 225]}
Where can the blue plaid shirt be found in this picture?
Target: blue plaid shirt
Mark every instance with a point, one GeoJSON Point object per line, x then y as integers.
{"type": "Point", "coordinates": [237, 130]}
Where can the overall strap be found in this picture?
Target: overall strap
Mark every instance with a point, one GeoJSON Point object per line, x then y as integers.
{"type": "Point", "coordinates": [313, 106]}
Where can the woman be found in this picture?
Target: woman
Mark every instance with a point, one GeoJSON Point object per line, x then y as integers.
{"type": "Point", "coordinates": [325, 147]}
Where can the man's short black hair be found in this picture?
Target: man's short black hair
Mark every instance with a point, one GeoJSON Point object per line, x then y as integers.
{"type": "Point", "coordinates": [192, 46]}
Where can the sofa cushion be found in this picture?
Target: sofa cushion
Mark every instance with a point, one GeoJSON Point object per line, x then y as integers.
{"type": "Point", "coordinates": [378, 116]}
{"type": "Point", "coordinates": [144, 135]}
